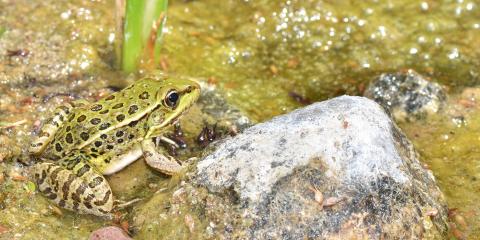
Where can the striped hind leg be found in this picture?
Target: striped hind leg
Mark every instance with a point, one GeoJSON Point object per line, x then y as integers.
{"type": "Point", "coordinates": [75, 185]}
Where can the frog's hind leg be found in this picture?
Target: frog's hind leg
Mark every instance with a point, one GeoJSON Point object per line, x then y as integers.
{"type": "Point", "coordinates": [49, 128]}
{"type": "Point", "coordinates": [75, 185]}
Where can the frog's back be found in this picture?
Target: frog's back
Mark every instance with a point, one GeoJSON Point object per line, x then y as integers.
{"type": "Point", "coordinates": [86, 124]}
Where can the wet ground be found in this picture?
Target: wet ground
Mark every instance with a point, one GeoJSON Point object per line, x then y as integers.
{"type": "Point", "coordinates": [267, 57]}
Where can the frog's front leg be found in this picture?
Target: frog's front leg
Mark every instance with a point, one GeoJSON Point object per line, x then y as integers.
{"type": "Point", "coordinates": [49, 128]}
{"type": "Point", "coordinates": [75, 185]}
{"type": "Point", "coordinates": [159, 159]}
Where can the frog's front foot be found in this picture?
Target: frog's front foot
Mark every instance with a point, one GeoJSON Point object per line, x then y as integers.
{"type": "Point", "coordinates": [159, 159]}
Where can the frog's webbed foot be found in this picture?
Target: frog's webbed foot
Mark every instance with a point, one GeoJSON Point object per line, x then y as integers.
{"type": "Point", "coordinates": [75, 185]}
{"type": "Point", "coordinates": [158, 159]}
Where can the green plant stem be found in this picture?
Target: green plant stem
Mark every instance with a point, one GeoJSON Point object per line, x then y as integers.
{"type": "Point", "coordinates": [142, 32]}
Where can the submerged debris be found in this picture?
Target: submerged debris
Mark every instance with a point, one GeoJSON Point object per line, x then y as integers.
{"type": "Point", "coordinates": [18, 53]}
{"type": "Point", "coordinates": [206, 136]}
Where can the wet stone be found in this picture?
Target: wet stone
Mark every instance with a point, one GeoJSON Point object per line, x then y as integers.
{"type": "Point", "coordinates": [407, 95]}
{"type": "Point", "coordinates": [109, 233]}
{"type": "Point", "coordinates": [332, 170]}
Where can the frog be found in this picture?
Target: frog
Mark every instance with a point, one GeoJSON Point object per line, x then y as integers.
{"type": "Point", "coordinates": [85, 141]}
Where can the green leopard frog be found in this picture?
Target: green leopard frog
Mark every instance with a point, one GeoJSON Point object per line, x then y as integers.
{"type": "Point", "coordinates": [84, 141]}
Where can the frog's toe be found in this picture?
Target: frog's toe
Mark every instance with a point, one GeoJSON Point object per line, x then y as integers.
{"type": "Point", "coordinates": [79, 189]}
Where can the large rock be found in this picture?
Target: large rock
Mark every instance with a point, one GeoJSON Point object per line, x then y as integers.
{"type": "Point", "coordinates": [335, 170]}
{"type": "Point", "coordinates": [407, 95]}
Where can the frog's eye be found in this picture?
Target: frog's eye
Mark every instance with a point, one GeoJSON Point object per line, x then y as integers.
{"type": "Point", "coordinates": [171, 99]}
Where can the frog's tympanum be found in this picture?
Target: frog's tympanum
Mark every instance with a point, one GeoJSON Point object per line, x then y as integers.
{"type": "Point", "coordinates": [84, 141]}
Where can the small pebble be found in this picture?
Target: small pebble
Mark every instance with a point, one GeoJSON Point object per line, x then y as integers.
{"type": "Point", "coordinates": [109, 233]}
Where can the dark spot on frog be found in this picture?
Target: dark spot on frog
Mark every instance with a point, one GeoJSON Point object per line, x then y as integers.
{"type": "Point", "coordinates": [83, 170]}
{"type": "Point", "coordinates": [104, 111]}
{"type": "Point", "coordinates": [120, 117]}
{"type": "Point", "coordinates": [84, 136]}
{"type": "Point", "coordinates": [103, 136]}
{"type": "Point", "coordinates": [93, 150]}
{"type": "Point", "coordinates": [81, 118]}
{"type": "Point", "coordinates": [52, 196]}
{"type": "Point", "coordinates": [104, 126]}
{"type": "Point", "coordinates": [133, 109]}
{"type": "Point", "coordinates": [69, 138]}
{"type": "Point", "coordinates": [58, 147]}
{"type": "Point", "coordinates": [119, 134]}
{"type": "Point", "coordinates": [133, 124]}
{"type": "Point", "coordinates": [96, 107]}
{"type": "Point", "coordinates": [131, 136]}
{"type": "Point", "coordinates": [71, 117]}
{"type": "Point", "coordinates": [95, 121]}
{"type": "Point", "coordinates": [109, 147]}
{"type": "Point", "coordinates": [117, 106]}
{"type": "Point", "coordinates": [120, 140]}
{"type": "Point", "coordinates": [98, 143]}
{"type": "Point", "coordinates": [68, 128]}
{"type": "Point", "coordinates": [144, 95]}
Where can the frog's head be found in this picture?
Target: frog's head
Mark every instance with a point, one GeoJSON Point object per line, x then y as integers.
{"type": "Point", "coordinates": [173, 97]}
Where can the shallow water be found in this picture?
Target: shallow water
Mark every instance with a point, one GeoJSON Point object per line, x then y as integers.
{"type": "Point", "coordinates": [260, 53]}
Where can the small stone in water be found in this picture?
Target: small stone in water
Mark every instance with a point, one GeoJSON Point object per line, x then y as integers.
{"type": "Point", "coordinates": [109, 233]}
{"type": "Point", "coordinates": [3, 229]}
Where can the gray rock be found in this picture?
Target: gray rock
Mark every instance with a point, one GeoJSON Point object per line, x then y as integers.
{"type": "Point", "coordinates": [332, 170]}
{"type": "Point", "coordinates": [407, 95]}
